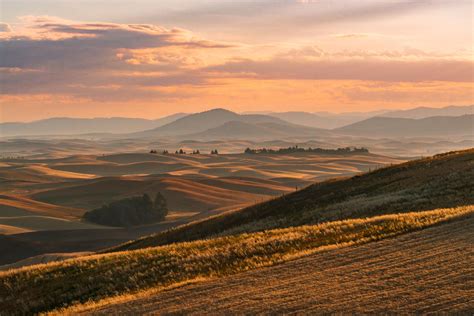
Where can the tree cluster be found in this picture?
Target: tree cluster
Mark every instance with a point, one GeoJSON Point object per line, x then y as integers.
{"type": "Point", "coordinates": [131, 211]}
{"type": "Point", "coordinates": [182, 152]}
{"type": "Point", "coordinates": [154, 151]}
{"type": "Point", "coordinates": [296, 149]}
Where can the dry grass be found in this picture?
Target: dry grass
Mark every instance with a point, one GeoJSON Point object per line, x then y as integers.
{"type": "Point", "coordinates": [100, 276]}
{"type": "Point", "coordinates": [45, 258]}
{"type": "Point", "coordinates": [425, 272]}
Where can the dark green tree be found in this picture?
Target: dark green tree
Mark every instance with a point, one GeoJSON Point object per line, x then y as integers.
{"type": "Point", "coordinates": [137, 210]}
{"type": "Point", "coordinates": [160, 206]}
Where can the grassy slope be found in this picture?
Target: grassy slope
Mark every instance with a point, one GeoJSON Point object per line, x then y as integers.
{"type": "Point", "coordinates": [100, 276]}
{"type": "Point", "coordinates": [440, 181]}
{"type": "Point", "coordinates": [416, 273]}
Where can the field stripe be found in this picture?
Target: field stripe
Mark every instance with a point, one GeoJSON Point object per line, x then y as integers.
{"type": "Point", "coordinates": [427, 271]}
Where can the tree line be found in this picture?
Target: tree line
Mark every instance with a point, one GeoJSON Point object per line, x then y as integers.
{"type": "Point", "coordinates": [296, 149]}
{"type": "Point", "coordinates": [182, 152]}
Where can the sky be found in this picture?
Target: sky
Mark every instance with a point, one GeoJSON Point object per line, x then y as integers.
{"type": "Point", "coordinates": [146, 58]}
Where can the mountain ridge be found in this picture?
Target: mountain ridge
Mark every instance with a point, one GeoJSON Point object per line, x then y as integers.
{"type": "Point", "coordinates": [424, 112]}
{"type": "Point", "coordinates": [73, 126]}
{"type": "Point", "coordinates": [434, 126]}
{"type": "Point", "coordinates": [197, 123]}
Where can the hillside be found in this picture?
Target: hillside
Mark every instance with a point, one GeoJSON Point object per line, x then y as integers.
{"type": "Point", "coordinates": [96, 277]}
{"type": "Point", "coordinates": [255, 131]}
{"type": "Point", "coordinates": [441, 181]}
{"type": "Point", "coordinates": [326, 219]}
{"type": "Point", "coordinates": [38, 195]}
{"type": "Point", "coordinates": [420, 272]}
{"type": "Point", "coordinates": [320, 120]}
{"type": "Point", "coordinates": [200, 122]}
{"type": "Point", "coordinates": [436, 126]}
{"type": "Point", "coordinates": [72, 126]}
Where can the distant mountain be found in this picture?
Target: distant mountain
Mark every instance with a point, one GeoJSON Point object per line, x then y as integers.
{"type": "Point", "coordinates": [436, 126]}
{"type": "Point", "coordinates": [335, 120]}
{"type": "Point", "coordinates": [200, 122]}
{"type": "Point", "coordinates": [323, 120]}
{"type": "Point", "coordinates": [73, 126]}
{"type": "Point", "coordinates": [168, 119]}
{"type": "Point", "coordinates": [230, 130]}
{"type": "Point", "coordinates": [353, 114]}
{"type": "Point", "coordinates": [423, 112]}
{"type": "Point", "coordinates": [257, 131]}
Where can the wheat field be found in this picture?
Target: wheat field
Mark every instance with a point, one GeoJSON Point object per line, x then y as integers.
{"type": "Point", "coordinates": [429, 271]}
{"type": "Point", "coordinates": [96, 277]}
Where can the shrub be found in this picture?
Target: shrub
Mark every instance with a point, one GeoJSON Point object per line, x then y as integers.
{"type": "Point", "coordinates": [132, 211]}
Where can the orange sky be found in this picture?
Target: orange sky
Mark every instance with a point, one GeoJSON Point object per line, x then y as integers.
{"type": "Point", "coordinates": [360, 56]}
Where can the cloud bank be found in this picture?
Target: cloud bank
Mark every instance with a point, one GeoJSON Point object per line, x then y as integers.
{"type": "Point", "coordinates": [110, 62]}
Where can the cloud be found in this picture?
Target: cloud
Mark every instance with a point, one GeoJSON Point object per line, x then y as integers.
{"type": "Point", "coordinates": [5, 28]}
{"type": "Point", "coordinates": [276, 18]}
{"type": "Point", "coordinates": [372, 69]}
{"type": "Point", "coordinates": [123, 62]}
{"type": "Point", "coordinates": [352, 35]}
{"type": "Point", "coordinates": [98, 60]}
{"type": "Point", "coordinates": [408, 93]}
{"type": "Point", "coordinates": [323, 11]}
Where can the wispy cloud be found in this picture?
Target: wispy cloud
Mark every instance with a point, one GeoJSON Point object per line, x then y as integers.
{"type": "Point", "coordinates": [312, 63]}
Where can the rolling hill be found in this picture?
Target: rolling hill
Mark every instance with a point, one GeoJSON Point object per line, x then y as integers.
{"type": "Point", "coordinates": [426, 205]}
{"type": "Point", "coordinates": [420, 272]}
{"type": "Point", "coordinates": [95, 277]}
{"type": "Point", "coordinates": [183, 195]}
{"type": "Point", "coordinates": [436, 126]}
{"type": "Point", "coordinates": [56, 192]}
{"type": "Point", "coordinates": [441, 181]}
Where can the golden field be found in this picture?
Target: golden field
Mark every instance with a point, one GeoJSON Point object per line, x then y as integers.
{"type": "Point", "coordinates": [98, 276]}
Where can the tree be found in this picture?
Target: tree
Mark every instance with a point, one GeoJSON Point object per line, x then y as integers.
{"type": "Point", "coordinates": [160, 206]}
{"type": "Point", "coordinates": [137, 210]}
